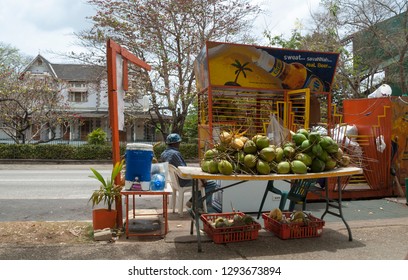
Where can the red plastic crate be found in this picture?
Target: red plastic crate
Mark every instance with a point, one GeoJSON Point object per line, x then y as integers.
{"type": "Point", "coordinates": [229, 234]}
{"type": "Point", "coordinates": [313, 228]}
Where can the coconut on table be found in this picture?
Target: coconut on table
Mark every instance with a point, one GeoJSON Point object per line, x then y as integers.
{"type": "Point", "coordinates": [237, 153]}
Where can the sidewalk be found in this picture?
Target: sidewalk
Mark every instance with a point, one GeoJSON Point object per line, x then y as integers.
{"type": "Point", "coordinates": [379, 228]}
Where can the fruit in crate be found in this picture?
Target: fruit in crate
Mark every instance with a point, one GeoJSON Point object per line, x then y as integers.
{"type": "Point", "coordinates": [247, 219]}
{"type": "Point", "coordinates": [298, 217]}
{"type": "Point", "coordinates": [276, 214]}
{"type": "Point", "coordinates": [237, 220]}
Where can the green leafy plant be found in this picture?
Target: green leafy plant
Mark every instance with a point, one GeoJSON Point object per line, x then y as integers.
{"type": "Point", "coordinates": [108, 190]}
{"type": "Point", "coordinates": [97, 137]}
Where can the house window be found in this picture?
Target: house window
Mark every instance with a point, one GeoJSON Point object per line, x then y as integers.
{"type": "Point", "coordinates": [77, 85]}
{"type": "Point", "coordinates": [78, 96]}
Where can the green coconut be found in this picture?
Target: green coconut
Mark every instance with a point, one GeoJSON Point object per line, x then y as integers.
{"type": "Point", "coordinates": [324, 156]}
{"type": "Point", "coordinates": [317, 149]}
{"type": "Point", "coordinates": [213, 167]}
{"type": "Point", "coordinates": [303, 131]}
{"type": "Point", "coordinates": [289, 152]}
{"type": "Point", "coordinates": [333, 148]}
{"type": "Point", "coordinates": [205, 165]}
{"type": "Point", "coordinates": [314, 137]}
{"type": "Point", "coordinates": [326, 141]}
{"type": "Point", "coordinates": [263, 167]}
{"type": "Point", "coordinates": [250, 147]}
{"type": "Point", "coordinates": [317, 165]}
{"type": "Point", "coordinates": [268, 154]}
{"type": "Point", "coordinates": [279, 154]}
{"type": "Point", "coordinates": [298, 167]}
{"type": "Point", "coordinates": [330, 164]}
{"type": "Point", "coordinates": [305, 158]}
{"type": "Point", "coordinates": [225, 167]}
{"type": "Point", "coordinates": [298, 138]}
{"type": "Point", "coordinates": [210, 154]}
{"type": "Point", "coordinates": [283, 167]}
{"type": "Point", "coordinates": [306, 146]}
{"type": "Point", "coordinates": [262, 142]}
{"type": "Point", "coordinates": [250, 160]}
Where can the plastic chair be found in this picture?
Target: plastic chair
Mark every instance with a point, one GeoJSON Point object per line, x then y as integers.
{"type": "Point", "coordinates": [178, 192]}
{"type": "Point", "coordinates": [297, 194]}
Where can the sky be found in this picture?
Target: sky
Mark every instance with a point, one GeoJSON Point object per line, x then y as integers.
{"type": "Point", "coordinates": [47, 26]}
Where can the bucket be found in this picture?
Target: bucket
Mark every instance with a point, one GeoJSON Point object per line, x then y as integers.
{"type": "Point", "coordinates": [138, 164]}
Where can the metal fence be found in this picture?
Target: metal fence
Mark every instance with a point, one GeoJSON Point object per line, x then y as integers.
{"type": "Point", "coordinates": [75, 143]}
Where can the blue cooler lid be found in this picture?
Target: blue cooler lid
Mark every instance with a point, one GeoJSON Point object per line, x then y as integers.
{"type": "Point", "coordinates": [139, 146]}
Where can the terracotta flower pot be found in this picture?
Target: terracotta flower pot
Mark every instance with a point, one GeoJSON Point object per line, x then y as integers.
{"type": "Point", "coordinates": [103, 218]}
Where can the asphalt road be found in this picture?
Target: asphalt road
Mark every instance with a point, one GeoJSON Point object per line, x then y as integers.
{"type": "Point", "coordinates": [49, 192]}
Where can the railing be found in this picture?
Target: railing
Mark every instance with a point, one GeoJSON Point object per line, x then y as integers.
{"type": "Point", "coordinates": [73, 142]}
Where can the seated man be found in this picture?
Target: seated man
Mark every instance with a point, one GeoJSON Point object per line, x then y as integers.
{"type": "Point", "coordinates": [173, 156]}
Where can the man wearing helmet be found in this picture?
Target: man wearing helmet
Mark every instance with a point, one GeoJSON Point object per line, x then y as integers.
{"type": "Point", "coordinates": [173, 156]}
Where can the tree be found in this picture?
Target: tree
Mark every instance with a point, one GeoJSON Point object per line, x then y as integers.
{"type": "Point", "coordinates": [372, 38]}
{"type": "Point", "coordinates": [380, 39]}
{"type": "Point", "coordinates": [167, 34]}
{"type": "Point", "coordinates": [30, 107]}
{"type": "Point", "coordinates": [294, 42]}
{"type": "Point", "coordinates": [10, 57]}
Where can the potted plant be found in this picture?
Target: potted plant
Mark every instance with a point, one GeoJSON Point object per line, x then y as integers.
{"type": "Point", "coordinates": [107, 193]}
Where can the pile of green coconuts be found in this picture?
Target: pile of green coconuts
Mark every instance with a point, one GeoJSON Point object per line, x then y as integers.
{"type": "Point", "coordinates": [305, 152]}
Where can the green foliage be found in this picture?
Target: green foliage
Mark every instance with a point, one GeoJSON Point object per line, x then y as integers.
{"type": "Point", "coordinates": [84, 152]}
{"type": "Point", "coordinates": [190, 131]}
{"type": "Point", "coordinates": [108, 191]}
{"type": "Point", "coordinates": [59, 151]}
{"type": "Point", "coordinates": [14, 151]}
{"type": "Point", "coordinates": [294, 42]}
{"type": "Point", "coordinates": [93, 152]}
{"type": "Point", "coordinates": [158, 149]}
{"type": "Point", "coordinates": [189, 151]}
{"type": "Point", "coordinates": [29, 102]}
{"type": "Point", "coordinates": [97, 137]}
{"type": "Point", "coordinates": [11, 58]}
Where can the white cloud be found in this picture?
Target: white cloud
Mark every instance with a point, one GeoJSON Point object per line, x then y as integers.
{"type": "Point", "coordinates": [40, 26]}
{"type": "Point", "coordinates": [280, 16]}
{"type": "Point", "coordinates": [44, 26]}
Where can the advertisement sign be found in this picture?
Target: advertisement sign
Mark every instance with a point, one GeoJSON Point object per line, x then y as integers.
{"type": "Point", "coordinates": [225, 64]}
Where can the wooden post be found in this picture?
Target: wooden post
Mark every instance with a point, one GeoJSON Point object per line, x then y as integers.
{"type": "Point", "coordinates": [112, 50]}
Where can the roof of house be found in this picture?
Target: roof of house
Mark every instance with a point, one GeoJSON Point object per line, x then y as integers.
{"type": "Point", "coordinates": [78, 72]}
{"type": "Point", "coordinates": [67, 72]}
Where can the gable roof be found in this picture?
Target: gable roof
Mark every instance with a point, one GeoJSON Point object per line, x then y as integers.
{"type": "Point", "coordinates": [78, 72]}
{"type": "Point", "coordinates": [66, 72]}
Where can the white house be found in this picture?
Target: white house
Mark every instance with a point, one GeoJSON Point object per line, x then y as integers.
{"type": "Point", "coordinates": [84, 88]}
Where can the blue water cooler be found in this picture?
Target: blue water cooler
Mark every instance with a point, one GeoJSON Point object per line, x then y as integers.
{"type": "Point", "coordinates": [138, 165]}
